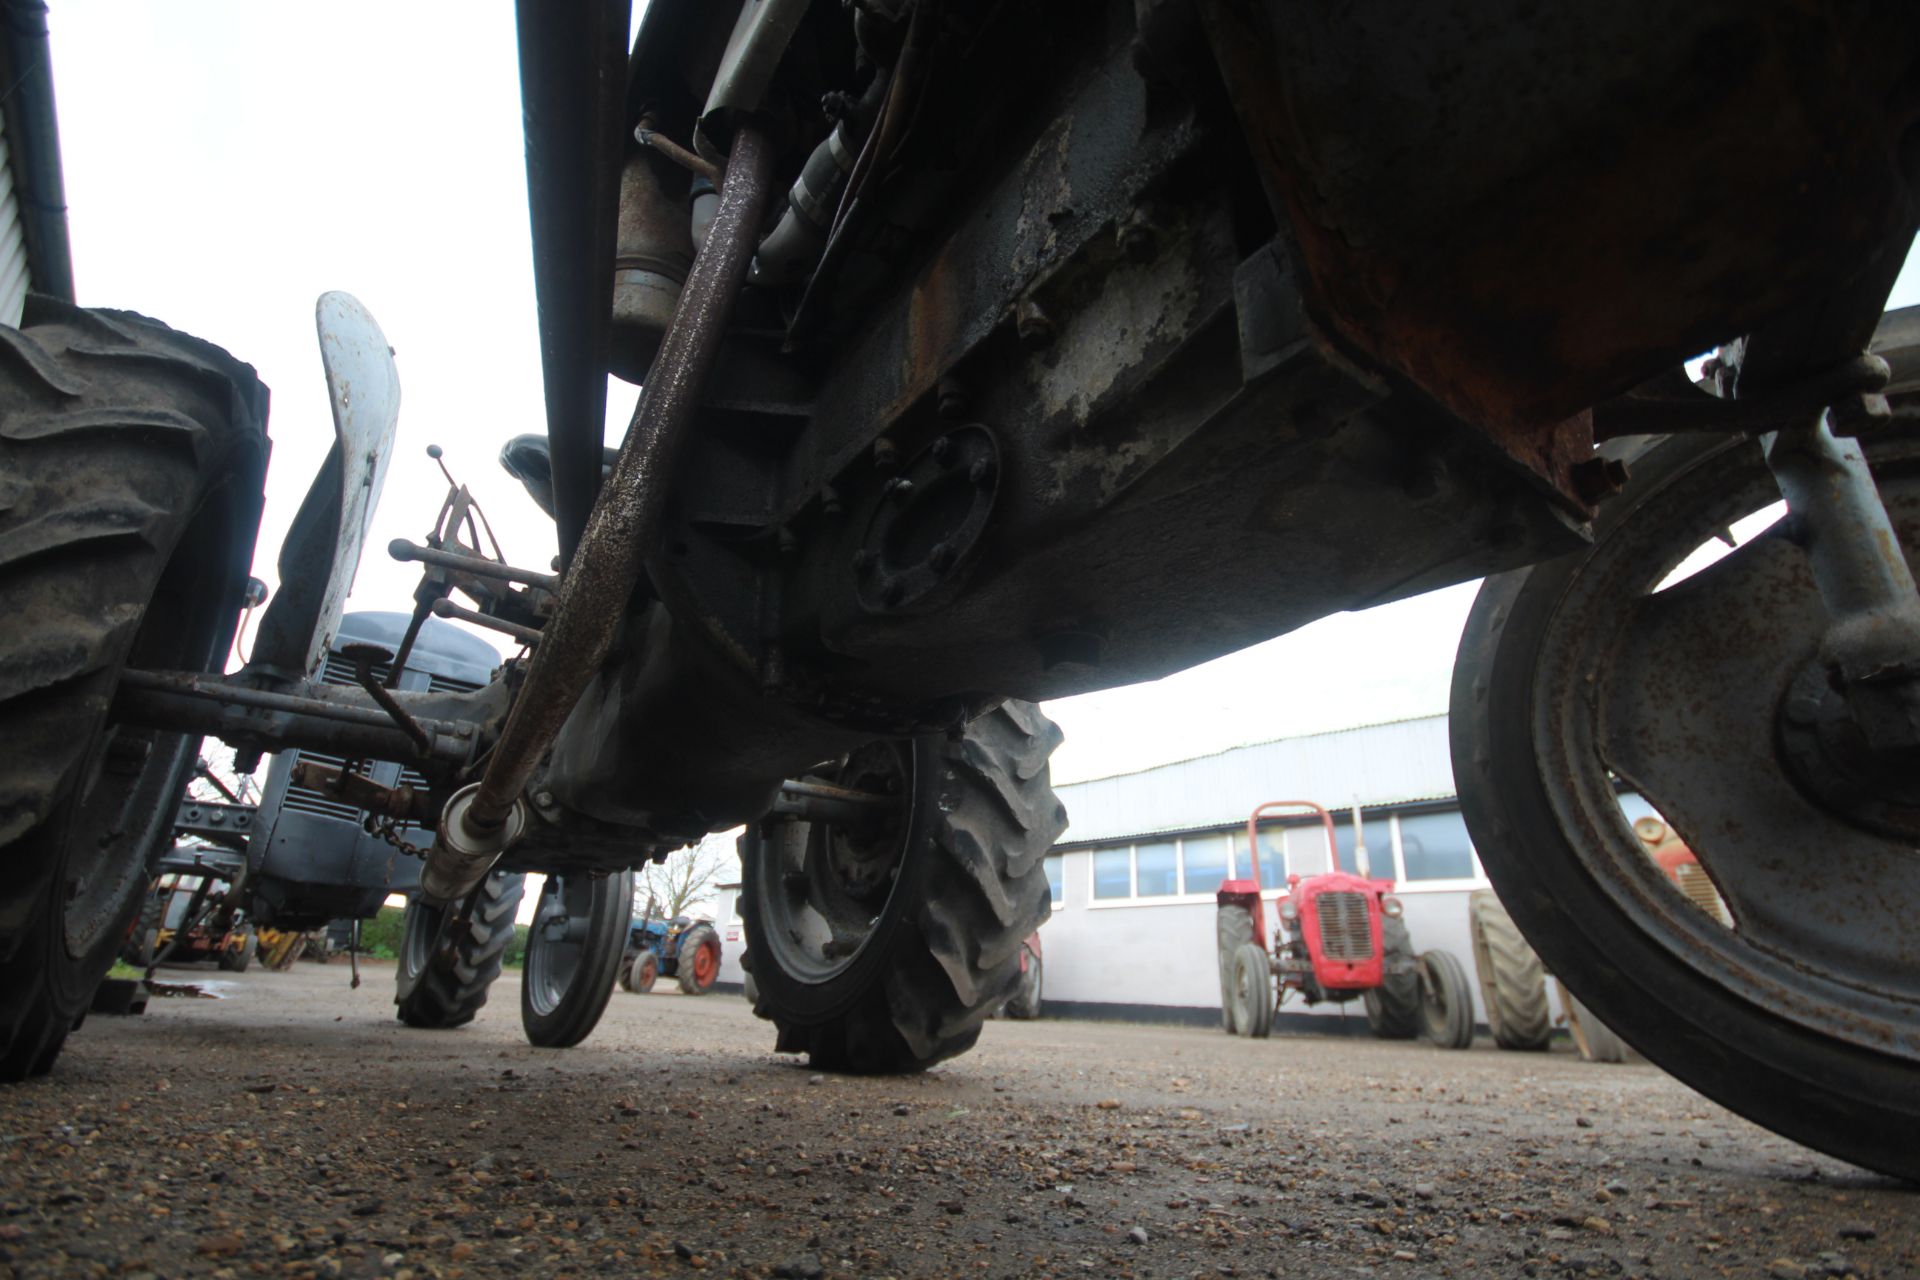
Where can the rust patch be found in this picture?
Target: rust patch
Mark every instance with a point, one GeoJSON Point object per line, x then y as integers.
{"type": "Point", "coordinates": [1627, 219]}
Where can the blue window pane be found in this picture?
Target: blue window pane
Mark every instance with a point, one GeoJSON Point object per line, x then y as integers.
{"type": "Point", "coordinates": [1205, 859]}
{"type": "Point", "coordinates": [1273, 859]}
{"type": "Point", "coordinates": [1056, 882]}
{"type": "Point", "coordinates": [1378, 833]}
{"type": "Point", "coordinates": [1156, 869]}
{"type": "Point", "coordinates": [1112, 873]}
{"type": "Point", "coordinates": [1435, 847]}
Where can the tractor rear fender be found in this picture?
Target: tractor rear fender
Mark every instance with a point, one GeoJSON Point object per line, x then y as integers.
{"type": "Point", "coordinates": [322, 550]}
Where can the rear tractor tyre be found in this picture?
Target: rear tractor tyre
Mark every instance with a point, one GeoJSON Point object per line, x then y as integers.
{"type": "Point", "coordinates": [579, 934]}
{"type": "Point", "coordinates": [1513, 983]}
{"type": "Point", "coordinates": [1393, 1007]}
{"type": "Point", "coordinates": [883, 945]}
{"type": "Point", "coordinates": [1446, 1001]}
{"type": "Point", "coordinates": [699, 966]}
{"type": "Point", "coordinates": [1253, 995]}
{"type": "Point", "coordinates": [1592, 1037]}
{"type": "Point", "coordinates": [441, 982]}
{"type": "Point", "coordinates": [131, 466]}
{"type": "Point", "coordinates": [1233, 928]}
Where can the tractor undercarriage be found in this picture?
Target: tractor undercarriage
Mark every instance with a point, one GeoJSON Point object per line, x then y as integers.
{"type": "Point", "coordinates": [1094, 340]}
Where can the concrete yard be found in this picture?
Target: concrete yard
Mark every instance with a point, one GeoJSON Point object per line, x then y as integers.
{"type": "Point", "coordinates": [295, 1128]}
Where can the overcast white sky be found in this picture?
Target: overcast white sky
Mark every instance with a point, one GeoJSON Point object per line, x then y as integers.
{"type": "Point", "coordinates": [226, 163]}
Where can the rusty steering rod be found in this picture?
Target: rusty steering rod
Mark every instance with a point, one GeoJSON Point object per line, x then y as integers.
{"type": "Point", "coordinates": [482, 820]}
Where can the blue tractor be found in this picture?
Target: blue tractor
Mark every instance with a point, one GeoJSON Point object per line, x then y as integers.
{"type": "Point", "coordinates": [683, 948]}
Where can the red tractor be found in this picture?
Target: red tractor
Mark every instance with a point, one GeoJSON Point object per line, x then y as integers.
{"type": "Point", "coordinates": [1343, 938]}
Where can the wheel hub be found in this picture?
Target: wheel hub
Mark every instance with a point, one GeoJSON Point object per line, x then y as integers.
{"type": "Point", "coordinates": [828, 889]}
{"type": "Point", "coordinates": [1828, 756]}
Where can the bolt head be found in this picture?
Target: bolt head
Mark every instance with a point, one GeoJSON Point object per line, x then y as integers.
{"type": "Point", "coordinates": [943, 451]}
{"type": "Point", "coordinates": [862, 560]}
{"type": "Point", "coordinates": [942, 557]}
{"type": "Point", "coordinates": [893, 592]}
{"type": "Point", "coordinates": [981, 472]}
{"type": "Point", "coordinates": [900, 490]}
{"type": "Point", "coordinates": [1033, 325]}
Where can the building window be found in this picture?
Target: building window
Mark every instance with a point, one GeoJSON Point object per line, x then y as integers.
{"type": "Point", "coordinates": [1273, 856]}
{"type": "Point", "coordinates": [1377, 831]}
{"type": "Point", "coordinates": [1156, 869]}
{"type": "Point", "coordinates": [1434, 846]}
{"type": "Point", "coordinates": [1113, 873]}
{"type": "Point", "coordinates": [1205, 861]}
{"type": "Point", "coordinates": [1056, 882]}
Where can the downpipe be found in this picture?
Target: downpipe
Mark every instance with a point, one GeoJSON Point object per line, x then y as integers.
{"type": "Point", "coordinates": [484, 819]}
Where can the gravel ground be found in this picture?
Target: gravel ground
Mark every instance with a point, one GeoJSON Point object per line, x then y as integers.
{"type": "Point", "coordinates": [294, 1128]}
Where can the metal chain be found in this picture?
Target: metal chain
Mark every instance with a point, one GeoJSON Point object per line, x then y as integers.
{"type": "Point", "coordinates": [388, 830]}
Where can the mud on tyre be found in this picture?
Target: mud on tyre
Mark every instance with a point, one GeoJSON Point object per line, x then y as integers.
{"type": "Point", "coordinates": [131, 465]}
{"type": "Point", "coordinates": [883, 948]}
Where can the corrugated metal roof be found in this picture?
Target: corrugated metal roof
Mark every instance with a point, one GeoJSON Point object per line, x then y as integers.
{"type": "Point", "coordinates": [1393, 763]}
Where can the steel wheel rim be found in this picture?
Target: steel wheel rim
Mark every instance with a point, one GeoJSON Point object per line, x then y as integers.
{"type": "Point", "coordinates": [829, 886]}
{"type": "Point", "coordinates": [1576, 721]}
{"type": "Point", "coordinates": [554, 959]}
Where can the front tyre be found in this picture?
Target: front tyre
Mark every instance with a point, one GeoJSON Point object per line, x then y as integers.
{"type": "Point", "coordinates": [883, 946]}
{"type": "Point", "coordinates": [1704, 694]}
{"type": "Point", "coordinates": [131, 463]}
{"type": "Point", "coordinates": [574, 948]}
{"type": "Point", "coordinates": [643, 973]}
{"type": "Point", "coordinates": [1446, 1002]}
{"type": "Point", "coordinates": [447, 965]}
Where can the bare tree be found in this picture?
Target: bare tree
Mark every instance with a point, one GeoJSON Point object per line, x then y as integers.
{"type": "Point", "coordinates": [667, 889]}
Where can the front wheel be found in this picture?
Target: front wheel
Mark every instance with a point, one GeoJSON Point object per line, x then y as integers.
{"type": "Point", "coordinates": [643, 973]}
{"type": "Point", "coordinates": [448, 963]}
{"type": "Point", "coordinates": [1253, 995]}
{"type": "Point", "coordinates": [578, 935]}
{"type": "Point", "coordinates": [883, 944]}
{"type": "Point", "coordinates": [1615, 684]}
{"type": "Point", "coordinates": [1446, 1002]}
{"type": "Point", "coordinates": [239, 959]}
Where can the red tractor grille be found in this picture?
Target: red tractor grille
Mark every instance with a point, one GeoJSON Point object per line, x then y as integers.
{"type": "Point", "coordinates": [1345, 931]}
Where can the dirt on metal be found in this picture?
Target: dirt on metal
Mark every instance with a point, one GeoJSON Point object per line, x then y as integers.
{"type": "Point", "coordinates": [296, 1129]}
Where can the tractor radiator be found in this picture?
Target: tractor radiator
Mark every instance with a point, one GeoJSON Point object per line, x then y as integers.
{"type": "Point", "coordinates": [1346, 933]}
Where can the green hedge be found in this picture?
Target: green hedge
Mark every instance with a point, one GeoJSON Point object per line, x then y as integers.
{"type": "Point", "coordinates": [380, 936]}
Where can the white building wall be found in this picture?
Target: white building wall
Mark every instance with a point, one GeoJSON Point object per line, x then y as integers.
{"type": "Point", "coordinates": [733, 935]}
